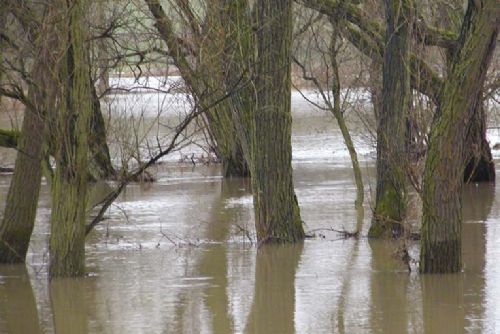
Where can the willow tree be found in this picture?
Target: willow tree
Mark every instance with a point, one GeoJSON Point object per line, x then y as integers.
{"type": "Point", "coordinates": [442, 194]}
{"type": "Point", "coordinates": [365, 33]}
{"type": "Point", "coordinates": [390, 202]}
{"type": "Point", "coordinates": [277, 213]}
{"type": "Point", "coordinates": [199, 61]}
{"type": "Point", "coordinates": [70, 128]}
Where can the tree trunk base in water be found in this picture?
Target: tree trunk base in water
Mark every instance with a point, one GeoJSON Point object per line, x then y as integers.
{"type": "Point", "coordinates": [480, 171]}
{"type": "Point", "coordinates": [384, 229]}
{"type": "Point", "coordinates": [235, 169]}
{"type": "Point", "coordinates": [441, 257]}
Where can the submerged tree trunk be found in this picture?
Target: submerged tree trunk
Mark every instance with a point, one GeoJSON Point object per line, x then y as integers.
{"type": "Point", "coordinates": [277, 213]}
{"type": "Point", "coordinates": [443, 178]}
{"type": "Point", "coordinates": [390, 203]}
{"type": "Point", "coordinates": [71, 131]}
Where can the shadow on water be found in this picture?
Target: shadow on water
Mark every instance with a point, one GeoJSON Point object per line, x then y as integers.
{"type": "Point", "coordinates": [273, 309]}
{"type": "Point", "coordinates": [452, 303]}
{"type": "Point", "coordinates": [455, 303]}
{"type": "Point", "coordinates": [389, 281]}
{"type": "Point", "coordinates": [213, 262]}
{"type": "Point", "coordinates": [18, 308]}
{"type": "Point", "coordinates": [69, 307]}
{"type": "Point", "coordinates": [212, 265]}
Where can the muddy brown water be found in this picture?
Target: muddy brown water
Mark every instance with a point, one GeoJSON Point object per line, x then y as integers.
{"type": "Point", "coordinates": [175, 257]}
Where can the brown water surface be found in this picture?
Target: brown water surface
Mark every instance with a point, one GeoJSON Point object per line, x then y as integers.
{"type": "Point", "coordinates": [174, 257]}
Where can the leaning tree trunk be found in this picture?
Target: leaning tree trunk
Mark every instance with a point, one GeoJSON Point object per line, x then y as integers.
{"type": "Point", "coordinates": [443, 177]}
{"type": "Point", "coordinates": [390, 202]}
{"type": "Point", "coordinates": [22, 198]}
{"type": "Point", "coordinates": [71, 131]}
{"type": "Point", "coordinates": [205, 82]}
{"type": "Point", "coordinates": [277, 213]}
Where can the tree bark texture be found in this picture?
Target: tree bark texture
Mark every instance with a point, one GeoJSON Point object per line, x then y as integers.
{"type": "Point", "coordinates": [22, 198]}
{"type": "Point", "coordinates": [71, 132]}
{"type": "Point", "coordinates": [440, 250]}
{"type": "Point", "coordinates": [277, 213]}
{"type": "Point", "coordinates": [390, 202]}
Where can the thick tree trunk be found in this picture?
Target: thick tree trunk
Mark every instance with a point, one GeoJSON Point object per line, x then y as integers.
{"type": "Point", "coordinates": [277, 213]}
{"type": "Point", "coordinates": [444, 170]}
{"type": "Point", "coordinates": [22, 198]}
{"type": "Point", "coordinates": [72, 124]}
{"type": "Point", "coordinates": [390, 203]}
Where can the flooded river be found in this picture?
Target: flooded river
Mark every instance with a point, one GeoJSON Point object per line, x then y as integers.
{"type": "Point", "coordinates": [176, 256]}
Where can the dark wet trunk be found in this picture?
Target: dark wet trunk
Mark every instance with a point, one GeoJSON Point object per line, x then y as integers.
{"type": "Point", "coordinates": [277, 213]}
{"type": "Point", "coordinates": [236, 166]}
{"type": "Point", "coordinates": [479, 161]}
{"type": "Point", "coordinates": [100, 166]}
{"type": "Point", "coordinates": [444, 170]}
{"type": "Point", "coordinates": [390, 202]}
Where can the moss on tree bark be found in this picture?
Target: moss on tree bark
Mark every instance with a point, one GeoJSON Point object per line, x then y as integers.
{"type": "Point", "coordinates": [440, 249]}
{"type": "Point", "coordinates": [390, 202]}
{"type": "Point", "coordinates": [72, 126]}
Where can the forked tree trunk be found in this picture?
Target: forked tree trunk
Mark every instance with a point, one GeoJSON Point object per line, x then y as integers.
{"type": "Point", "coordinates": [440, 250]}
{"type": "Point", "coordinates": [390, 202]}
{"type": "Point", "coordinates": [277, 213]}
{"type": "Point", "coordinates": [72, 124]}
